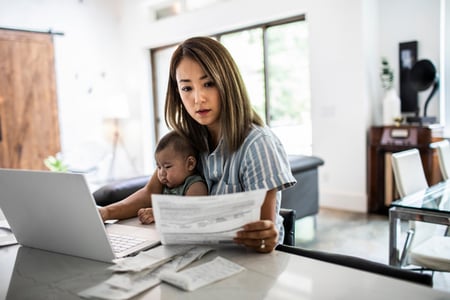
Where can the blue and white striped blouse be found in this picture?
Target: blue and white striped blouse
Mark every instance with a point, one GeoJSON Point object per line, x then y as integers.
{"type": "Point", "coordinates": [260, 163]}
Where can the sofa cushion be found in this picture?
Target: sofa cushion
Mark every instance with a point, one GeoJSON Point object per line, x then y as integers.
{"type": "Point", "coordinates": [118, 190]}
{"type": "Point", "coordinates": [301, 163]}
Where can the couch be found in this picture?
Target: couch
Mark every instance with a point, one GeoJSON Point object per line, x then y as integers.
{"type": "Point", "coordinates": [304, 196]}
{"type": "Point", "coordinates": [297, 202]}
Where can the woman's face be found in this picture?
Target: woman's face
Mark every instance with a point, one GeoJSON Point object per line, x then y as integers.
{"type": "Point", "coordinates": [199, 94]}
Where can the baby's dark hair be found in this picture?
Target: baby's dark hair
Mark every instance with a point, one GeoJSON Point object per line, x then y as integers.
{"type": "Point", "coordinates": [179, 144]}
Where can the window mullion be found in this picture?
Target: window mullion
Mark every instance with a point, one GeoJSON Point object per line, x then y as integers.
{"type": "Point", "coordinates": [266, 76]}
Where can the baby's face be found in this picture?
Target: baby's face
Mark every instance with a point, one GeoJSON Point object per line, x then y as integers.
{"type": "Point", "coordinates": [173, 167]}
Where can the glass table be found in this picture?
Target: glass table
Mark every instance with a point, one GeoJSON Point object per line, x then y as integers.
{"type": "Point", "coordinates": [431, 205]}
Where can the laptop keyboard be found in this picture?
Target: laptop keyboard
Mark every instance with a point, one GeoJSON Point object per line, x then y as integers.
{"type": "Point", "coordinates": [121, 243]}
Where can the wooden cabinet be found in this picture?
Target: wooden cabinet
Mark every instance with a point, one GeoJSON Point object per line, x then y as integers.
{"type": "Point", "coordinates": [29, 127]}
{"type": "Point", "coordinates": [385, 140]}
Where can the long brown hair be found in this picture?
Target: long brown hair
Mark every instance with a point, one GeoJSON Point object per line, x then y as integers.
{"type": "Point", "coordinates": [237, 114]}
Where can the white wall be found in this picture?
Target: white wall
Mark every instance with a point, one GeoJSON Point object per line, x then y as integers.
{"type": "Point", "coordinates": [347, 38]}
{"type": "Point", "coordinates": [414, 20]}
{"type": "Point", "coordinates": [340, 102]}
{"type": "Point", "coordinates": [89, 72]}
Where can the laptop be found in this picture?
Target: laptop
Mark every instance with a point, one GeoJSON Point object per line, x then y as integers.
{"type": "Point", "coordinates": [56, 211]}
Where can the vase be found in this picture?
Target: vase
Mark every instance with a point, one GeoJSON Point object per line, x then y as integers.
{"type": "Point", "coordinates": [391, 107]}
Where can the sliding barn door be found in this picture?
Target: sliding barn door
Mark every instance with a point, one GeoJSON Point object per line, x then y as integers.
{"type": "Point", "coordinates": [29, 128]}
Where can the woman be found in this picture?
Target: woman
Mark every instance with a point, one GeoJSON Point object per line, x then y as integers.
{"type": "Point", "coordinates": [207, 102]}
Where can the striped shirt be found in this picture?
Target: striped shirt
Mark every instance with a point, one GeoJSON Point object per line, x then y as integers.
{"type": "Point", "coordinates": [260, 163]}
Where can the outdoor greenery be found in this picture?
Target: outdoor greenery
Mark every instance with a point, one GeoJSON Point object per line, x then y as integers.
{"type": "Point", "coordinates": [275, 69]}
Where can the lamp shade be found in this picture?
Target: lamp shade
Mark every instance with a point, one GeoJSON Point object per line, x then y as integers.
{"type": "Point", "coordinates": [116, 107]}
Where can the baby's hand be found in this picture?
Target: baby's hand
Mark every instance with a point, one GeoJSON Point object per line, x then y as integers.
{"type": "Point", "coordinates": [146, 215]}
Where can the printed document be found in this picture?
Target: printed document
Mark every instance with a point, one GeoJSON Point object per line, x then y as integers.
{"type": "Point", "coordinates": [205, 219]}
{"type": "Point", "coordinates": [204, 274]}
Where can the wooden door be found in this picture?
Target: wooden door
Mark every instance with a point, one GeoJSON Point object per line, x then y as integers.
{"type": "Point", "coordinates": [29, 128]}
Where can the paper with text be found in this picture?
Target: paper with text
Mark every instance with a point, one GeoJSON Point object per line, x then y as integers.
{"type": "Point", "coordinates": [204, 274]}
{"type": "Point", "coordinates": [205, 219]}
{"type": "Point", "coordinates": [130, 279]}
{"type": "Point", "coordinates": [6, 236]}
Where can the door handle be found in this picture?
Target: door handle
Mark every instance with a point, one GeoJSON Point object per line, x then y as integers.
{"type": "Point", "coordinates": [1, 128]}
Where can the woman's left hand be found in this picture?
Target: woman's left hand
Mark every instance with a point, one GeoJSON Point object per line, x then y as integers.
{"type": "Point", "coordinates": [260, 235]}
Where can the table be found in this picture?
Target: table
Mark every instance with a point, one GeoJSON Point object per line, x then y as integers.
{"type": "Point", "coordinates": [27, 273]}
{"type": "Point", "coordinates": [431, 205]}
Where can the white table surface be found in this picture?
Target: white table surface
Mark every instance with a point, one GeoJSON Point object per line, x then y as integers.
{"type": "Point", "coordinates": [36, 274]}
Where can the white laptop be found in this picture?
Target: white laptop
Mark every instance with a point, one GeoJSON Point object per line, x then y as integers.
{"type": "Point", "coordinates": [56, 211]}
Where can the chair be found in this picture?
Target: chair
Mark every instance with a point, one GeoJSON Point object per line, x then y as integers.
{"type": "Point", "coordinates": [443, 150]}
{"type": "Point", "coordinates": [120, 189]}
{"type": "Point", "coordinates": [408, 172]}
{"type": "Point", "coordinates": [289, 217]}
{"type": "Point", "coordinates": [360, 264]}
{"type": "Point", "coordinates": [410, 178]}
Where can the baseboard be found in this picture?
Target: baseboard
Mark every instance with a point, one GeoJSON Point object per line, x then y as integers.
{"type": "Point", "coordinates": [344, 201]}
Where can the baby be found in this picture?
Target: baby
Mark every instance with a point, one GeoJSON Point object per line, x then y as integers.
{"type": "Point", "coordinates": [176, 160]}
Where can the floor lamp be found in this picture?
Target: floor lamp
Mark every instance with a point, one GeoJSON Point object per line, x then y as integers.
{"type": "Point", "coordinates": [117, 111]}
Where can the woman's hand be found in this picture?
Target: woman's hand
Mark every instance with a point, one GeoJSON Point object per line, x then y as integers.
{"type": "Point", "coordinates": [103, 213]}
{"type": "Point", "coordinates": [260, 235]}
{"type": "Point", "coordinates": [145, 215]}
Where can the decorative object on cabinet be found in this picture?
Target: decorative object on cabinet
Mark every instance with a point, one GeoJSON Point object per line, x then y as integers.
{"type": "Point", "coordinates": [423, 76]}
{"type": "Point", "coordinates": [391, 101]}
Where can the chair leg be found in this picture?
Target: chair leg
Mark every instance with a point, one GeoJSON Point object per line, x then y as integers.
{"type": "Point", "coordinates": [406, 246]}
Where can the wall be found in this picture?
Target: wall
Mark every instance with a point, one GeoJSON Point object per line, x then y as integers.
{"type": "Point", "coordinates": [414, 20]}
{"type": "Point", "coordinates": [338, 67]}
{"type": "Point", "coordinates": [113, 38]}
{"type": "Point", "coordinates": [89, 73]}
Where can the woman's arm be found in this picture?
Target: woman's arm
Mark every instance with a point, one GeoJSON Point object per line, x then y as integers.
{"type": "Point", "coordinates": [268, 209]}
{"type": "Point", "coordinates": [129, 206]}
{"type": "Point", "coordinates": [262, 235]}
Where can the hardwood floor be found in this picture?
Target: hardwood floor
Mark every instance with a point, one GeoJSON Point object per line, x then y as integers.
{"type": "Point", "coordinates": [359, 234]}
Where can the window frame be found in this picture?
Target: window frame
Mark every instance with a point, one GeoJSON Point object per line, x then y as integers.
{"type": "Point", "coordinates": [263, 26]}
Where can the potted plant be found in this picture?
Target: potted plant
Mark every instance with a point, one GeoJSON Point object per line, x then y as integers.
{"type": "Point", "coordinates": [386, 75]}
{"type": "Point", "coordinates": [55, 163]}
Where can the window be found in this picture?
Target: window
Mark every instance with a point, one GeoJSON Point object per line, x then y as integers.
{"type": "Point", "coordinates": [250, 63]}
{"type": "Point", "coordinates": [160, 74]}
{"type": "Point", "coordinates": [275, 69]}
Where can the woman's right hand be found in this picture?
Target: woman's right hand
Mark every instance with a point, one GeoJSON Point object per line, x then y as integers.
{"type": "Point", "coordinates": [129, 207]}
{"type": "Point", "coordinates": [103, 213]}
